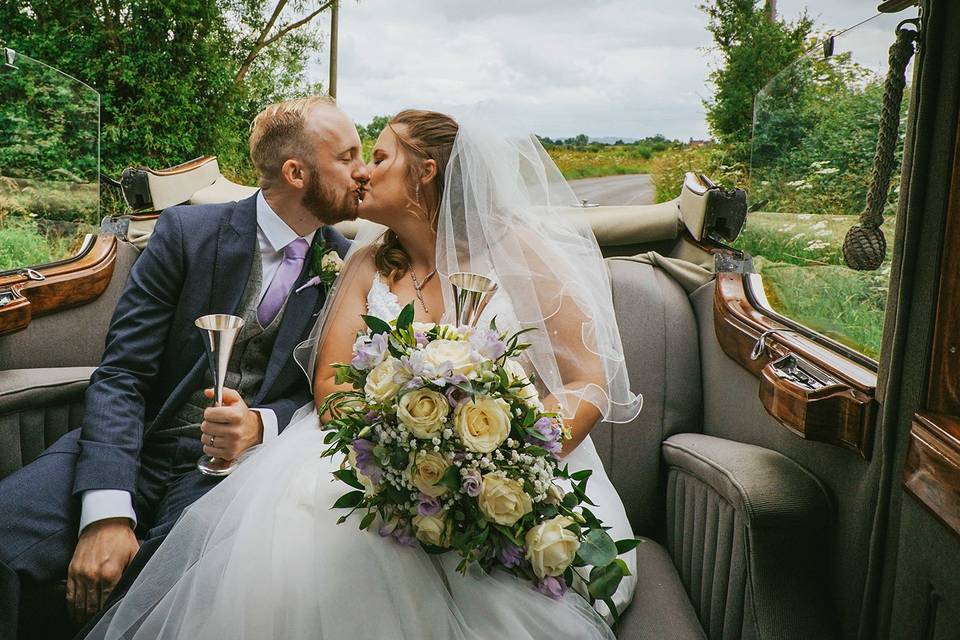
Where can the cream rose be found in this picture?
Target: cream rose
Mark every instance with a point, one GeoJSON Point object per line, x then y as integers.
{"type": "Point", "coordinates": [503, 500]}
{"type": "Point", "coordinates": [516, 373]}
{"type": "Point", "coordinates": [423, 412]}
{"type": "Point", "coordinates": [381, 384]}
{"type": "Point", "coordinates": [551, 547]}
{"type": "Point", "coordinates": [483, 424]}
{"type": "Point", "coordinates": [454, 353]}
{"type": "Point", "coordinates": [431, 530]}
{"type": "Point", "coordinates": [425, 472]}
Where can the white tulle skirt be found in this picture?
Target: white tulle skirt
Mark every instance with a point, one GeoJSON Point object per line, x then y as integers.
{"type": "Point", "coordinates": [261, 556]}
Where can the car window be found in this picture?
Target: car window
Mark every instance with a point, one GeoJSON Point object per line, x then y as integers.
{"type": "Point", "coordinates": [49, 163]}
{"type": "Point", "coordinates": [814, 137]}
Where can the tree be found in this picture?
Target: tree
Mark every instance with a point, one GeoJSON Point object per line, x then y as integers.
{"type": "Point", "coordinates": [179, 78]}
{"type": "Point", "coordinates": [372, 130]}
{"type": "Point", "coordinates": [754, 45]}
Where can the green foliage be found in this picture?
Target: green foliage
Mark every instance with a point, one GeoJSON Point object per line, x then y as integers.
{"type": "Point", "coordinates": [718, 162]}
{"type": "Point", "coordinates": [23, 242]}
{"type": "Point", "coordinates": [166, 71]}
{"type": "Point", "coordinates": [372, 130]}
{"type": "Point", "coordinates": [753, 48]}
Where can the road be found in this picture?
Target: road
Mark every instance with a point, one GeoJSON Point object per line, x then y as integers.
{"type": "Point", "coordinates": [634, 189]}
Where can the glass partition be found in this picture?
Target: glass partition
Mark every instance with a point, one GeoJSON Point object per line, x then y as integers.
{"type": "Point", "coordinates": [814, 135]}
{"type": "Point", "coordinates": [49, 162]}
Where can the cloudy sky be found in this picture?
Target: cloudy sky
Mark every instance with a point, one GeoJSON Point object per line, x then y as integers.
{"type": "Point", "coordinates": [625, 68]}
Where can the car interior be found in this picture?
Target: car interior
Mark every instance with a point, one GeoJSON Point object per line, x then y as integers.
{"type": "Point", "coordinates": [783, 485]}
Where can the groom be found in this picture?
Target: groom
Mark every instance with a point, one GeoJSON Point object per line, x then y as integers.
{"type": "Point", "coordinates": [82, 509]}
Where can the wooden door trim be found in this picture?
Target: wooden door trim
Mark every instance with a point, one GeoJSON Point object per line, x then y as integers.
{"type": "Point", "coordinates": [842, 414]}
{"type": "Point", "coordinates": [66, 284]}
{"type": "Point", "coordinates": [932, 469]}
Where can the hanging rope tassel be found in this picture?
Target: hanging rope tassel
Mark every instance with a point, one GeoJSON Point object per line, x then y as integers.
{"type": "Point", "coordinates": [864, 246]}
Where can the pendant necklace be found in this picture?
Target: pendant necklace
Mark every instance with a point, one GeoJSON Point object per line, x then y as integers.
{"type": "Point", "coordinates": [417, 285]}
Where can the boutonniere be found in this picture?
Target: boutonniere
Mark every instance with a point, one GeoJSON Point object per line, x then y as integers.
{"type": "Point", "coordinates": [325, 265]}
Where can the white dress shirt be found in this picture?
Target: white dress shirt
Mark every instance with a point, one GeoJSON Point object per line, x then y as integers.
{"type": "Point", "coordinates": [273, 234]}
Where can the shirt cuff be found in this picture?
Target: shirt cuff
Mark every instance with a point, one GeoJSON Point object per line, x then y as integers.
{"type": "Point", "coordinates": [100, 504]}
{"type": "Point", "coordinates": [269, 420]}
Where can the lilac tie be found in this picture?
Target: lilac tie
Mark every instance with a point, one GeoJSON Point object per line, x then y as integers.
{"type": "Point", "coordinates": [293, 257]}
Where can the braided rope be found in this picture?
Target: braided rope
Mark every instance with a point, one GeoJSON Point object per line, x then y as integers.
{"type": "Point", "coordinates": [864, 246]}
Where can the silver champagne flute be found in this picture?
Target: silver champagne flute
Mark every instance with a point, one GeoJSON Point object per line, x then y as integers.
{"type": "Point", "coordinates": [220, 332]}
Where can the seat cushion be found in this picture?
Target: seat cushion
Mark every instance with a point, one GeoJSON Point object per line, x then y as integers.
{"type": "Point", "coordinates": [37, 406]}
{"type": "Point", "coordinates": [660, 609]}
{"type": "Point", "coordinates": [659, 335]}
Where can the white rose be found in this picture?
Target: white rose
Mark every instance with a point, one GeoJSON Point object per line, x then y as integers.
{"type": "Point", "coordinates": [426, 470]}
{"type": "Point", "coordinates": [368, 487]}
{"type": "Point", "coordinates": [431, 530]}
{"type": "Point", "coordinates": [423, 412]}
{"type": "Point", "coordinates": [454, 353]}
{"type": "Point", "coordinates": [516, 373]}
{"type": "Point", "coordinates": [551, 547]}
{"type": "Point", "coordinates": [381, 384]}
{"type": "Point", "coordinates": [503, 500]}
{"type": "Point", "coordinates": [423, 327]}
{"type": "Point", "coordinates": [331, 261]}
{"type": "Point", "coordinates": [483, 424]}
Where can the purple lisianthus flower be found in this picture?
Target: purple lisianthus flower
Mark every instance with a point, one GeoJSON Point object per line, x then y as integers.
{"type": "Point", "coordinates": [445, 375]}
{"type": "Point", "coordinates": [487, 343]}
{"type": "Point", "coordinates": [415, 365]}
{"type": "Point", "coordinates": [421, 338]}
{"type": "Point", "coordinates": [471, 482]}
{"type": "Point", "coordinates": [405, 536]}
{"type": "Point", "coordinates": [368, 352]}
{"type": "Point", "coordinates": [427, 505]}
{"type": "Point", "coordinates": [551, 432]}
{"type": "Point", "coordinates": [388, 528]}
{"type": "Point", "coordinates": [510, 555]}
{"type": "Point", "coordinates": [456, 397]}
{"type": "Point", "coordinates": [552, 586]}
{"type": "Point", "coordinates": [366, 462]}
{"type": "Point", "coordinates": [372, 417]}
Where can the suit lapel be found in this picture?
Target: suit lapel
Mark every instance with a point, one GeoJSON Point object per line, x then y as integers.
{"type": "Point", "coordinates": [299, 312]}
{"type": "Point", "coordinates": [233, 261]}
{"type": "Point", "coordinates": [236, 241]}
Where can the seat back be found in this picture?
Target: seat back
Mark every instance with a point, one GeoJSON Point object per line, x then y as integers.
{"type": "Point", "coordinates": [659, 334]}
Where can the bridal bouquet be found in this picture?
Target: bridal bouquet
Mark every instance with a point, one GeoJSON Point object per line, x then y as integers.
{"type": "Point", "coordinates": [447, 444]}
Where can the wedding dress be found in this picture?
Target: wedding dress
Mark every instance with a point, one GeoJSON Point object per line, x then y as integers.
{"type": "Point", "coordinates": [261, 556]}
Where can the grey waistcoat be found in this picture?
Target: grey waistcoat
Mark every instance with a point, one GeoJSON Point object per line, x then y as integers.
{"type": "Point", "coordinates": [251, 352]}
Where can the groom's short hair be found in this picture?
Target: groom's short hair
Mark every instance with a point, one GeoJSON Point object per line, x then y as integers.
{"type": "Point", "coordinates": [278, 134]}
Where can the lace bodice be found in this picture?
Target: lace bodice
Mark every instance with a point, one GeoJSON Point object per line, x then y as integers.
{"type": "Point", "coordinates": [381, 302]}
{"type": "Point", "coordinates": [384, 304]}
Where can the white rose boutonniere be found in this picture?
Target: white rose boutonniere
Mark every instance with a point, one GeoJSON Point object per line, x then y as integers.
{"type": "Point", "coordinates": [325, 266]}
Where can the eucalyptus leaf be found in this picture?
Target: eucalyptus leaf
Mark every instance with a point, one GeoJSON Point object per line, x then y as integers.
{"type": "Point", "coordinates": [604, 580]}
{"type": "Point", "coordinates": [598, 548]}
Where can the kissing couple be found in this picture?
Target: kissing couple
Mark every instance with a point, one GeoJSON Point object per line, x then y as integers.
{"type": "Point", "coordinates": [260, 553]}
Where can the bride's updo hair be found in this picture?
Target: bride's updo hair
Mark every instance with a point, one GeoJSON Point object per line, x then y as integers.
{"type": "Point", "coordinates": [427, 135]}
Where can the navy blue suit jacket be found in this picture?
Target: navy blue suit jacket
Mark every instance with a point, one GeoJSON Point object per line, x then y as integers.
{"type": "Point", "coordinates": [197, 262]}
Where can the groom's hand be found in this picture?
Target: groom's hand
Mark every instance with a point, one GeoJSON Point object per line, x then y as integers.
{"type": "Point", "coordinates": [104, 550]}
{"type": "Point", "coordinates": [234, 428]}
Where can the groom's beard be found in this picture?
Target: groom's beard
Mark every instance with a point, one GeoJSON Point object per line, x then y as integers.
{"type": "Point", "coordinates": [325, 206]}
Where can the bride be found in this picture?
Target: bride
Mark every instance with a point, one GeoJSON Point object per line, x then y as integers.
{"type": "Point", "coordinates": [262, 555]}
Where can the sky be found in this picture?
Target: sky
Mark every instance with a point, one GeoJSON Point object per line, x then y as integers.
{"type": "Point", "coordinates": [620, 68]}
